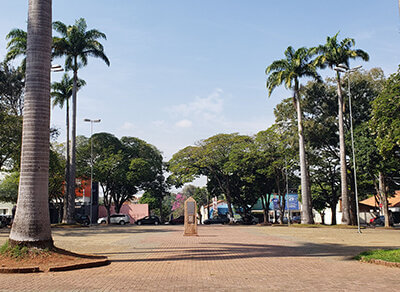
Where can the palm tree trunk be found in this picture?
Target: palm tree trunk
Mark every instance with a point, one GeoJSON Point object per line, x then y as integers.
{"type": "Point", "coordinates": [67, 179]}
{"type": "Point", "coordinates": [306, 210]}
{"type": "Point", "coordinates": [31, 226]}
{"type": "Point", "coordinates": [72, 165]}
{"type": "Point", "coordinates": [343, 163]}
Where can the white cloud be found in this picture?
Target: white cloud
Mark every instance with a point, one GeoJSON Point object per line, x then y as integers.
{"type": "Point", "coordinates": [207, 108]}
{"type": "Point", "coordinates": [128, 126]}
{"type": "Point", "coordinates": [184, 124]}
{"type": "Point", "coordinates": [158, 123]}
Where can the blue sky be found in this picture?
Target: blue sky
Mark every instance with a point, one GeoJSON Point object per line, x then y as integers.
{"type": "Point", "coordinates": [185, 70]}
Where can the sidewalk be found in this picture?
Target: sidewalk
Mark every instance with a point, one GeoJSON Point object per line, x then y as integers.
{"type": "Point", "coordinates": [222, 258]}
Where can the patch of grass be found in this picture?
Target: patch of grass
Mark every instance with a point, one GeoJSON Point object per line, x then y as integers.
{"type": "Point", "coordinates": [388, 255]}
{"type": "Point", "coordinates": [20, 252]}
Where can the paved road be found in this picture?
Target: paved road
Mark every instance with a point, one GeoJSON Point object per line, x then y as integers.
{"type": "Point", "coordinates": [222, 258]}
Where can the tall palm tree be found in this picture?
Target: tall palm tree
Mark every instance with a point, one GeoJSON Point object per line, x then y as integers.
{"type": "Point", "coordinates": [288, 71]}
{"type": "Point", "coordinates": [31, 226]}
{"type": "Point", "coordinates": [16, 46]}
{"type": "Point", "coordinates": [333, 54]}
{"type": "Point", "coordinates": [76, 44]}
{"type": "Point", "coordinates": [62, 92]}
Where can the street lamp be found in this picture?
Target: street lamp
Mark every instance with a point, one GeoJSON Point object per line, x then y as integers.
{"type": "Point", "coordinates": [91, 164]}
{"type": "Point", "coordinates": [344, 68]}
{"type": "Point", "coordinates": [56, 68]}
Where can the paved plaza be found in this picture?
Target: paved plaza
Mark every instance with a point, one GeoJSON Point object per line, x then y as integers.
{"type": "Point", "coordinates": [221, 258]}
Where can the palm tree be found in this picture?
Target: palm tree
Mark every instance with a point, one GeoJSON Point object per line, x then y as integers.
{"type": "Point", "coordinates": [31, 226]}
{"type": "Point", "coordinates": [333, 54]}
{"type": "Point", "coordinates": [16, 46]}
{"type": "Point", "coordinates": [62, 92]}
{"type": "Point", "coordinates": [76, 44]}
{"type": "Point", "coordinates": [288, 71]}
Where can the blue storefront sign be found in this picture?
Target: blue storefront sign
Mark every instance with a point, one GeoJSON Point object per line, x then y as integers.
{"type": "Point", "coordinates": [292, 202]}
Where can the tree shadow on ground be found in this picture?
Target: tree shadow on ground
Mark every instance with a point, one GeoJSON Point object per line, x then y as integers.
{"type": "Point", "coordinates": [109, 229]}
{"type": "Point", "coordinates": [231, 251]}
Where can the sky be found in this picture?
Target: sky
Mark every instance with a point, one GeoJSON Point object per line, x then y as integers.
{"type": "Point", "coordinates": [184, 70]}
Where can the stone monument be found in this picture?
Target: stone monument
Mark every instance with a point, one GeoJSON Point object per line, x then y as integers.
{"type": "Point", "coordinates": [190, 217]}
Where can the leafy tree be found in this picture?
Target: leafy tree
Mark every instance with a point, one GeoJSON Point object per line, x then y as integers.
{"type": "Point", "coordinates": [76, 44]}
{"type": "Point", "coordinates": [31, 226]}
{"type": "Point", "coordinates": [199, 194]}
{"type": "Point", "coordinates": [288, 71]}
{"type": "Point", "coordinates": [333, 54]}
{"type": "Point", "coordinates": [11, 90]}
{"type": "Point", "coordinates": [385, 120]}
{"type": "Point", "coordinates": [9, 188]}
{"type": "Point", "coordinates": [56, 179]}
{"type": "Point", "coordinates": [10, 140]}
{"type": "Point", "coordinates": [157, 190]}
{"type": "Point", "coordinates": [209, 158]}
{"type": "Point", "coordinates": [122, 167]}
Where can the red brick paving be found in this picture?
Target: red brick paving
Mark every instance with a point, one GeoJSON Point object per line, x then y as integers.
{"type": "Point", "coordinates": [221, 258]}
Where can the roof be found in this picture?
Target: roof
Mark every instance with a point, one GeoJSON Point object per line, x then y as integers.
{"type": "Point", "coordinates": [394, 201]}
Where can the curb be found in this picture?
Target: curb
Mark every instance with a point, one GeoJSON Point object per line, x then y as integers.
{"type": "Point", "coordinates": [80, 266]}
{"type": "Point", "coordinates": [382, 263]}
{"type": "Point", "coordinates": [92, 264]}
{"type": "Point", "coordinates": [19, 270]}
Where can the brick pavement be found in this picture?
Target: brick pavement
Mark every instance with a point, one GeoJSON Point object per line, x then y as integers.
{"type": "Point", "coordinates": [222, 258]}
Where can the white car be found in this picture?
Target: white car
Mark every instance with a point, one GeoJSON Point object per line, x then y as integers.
{"type": "Point", "coordinates": [121, 219]}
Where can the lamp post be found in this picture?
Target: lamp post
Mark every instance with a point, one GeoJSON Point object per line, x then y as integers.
{"type": "Point", "coordinates": [56, 68]}
{"type": "Point", "coordinates": [91, 164]}
{"type": "Point", "coordinates": [344, 68]}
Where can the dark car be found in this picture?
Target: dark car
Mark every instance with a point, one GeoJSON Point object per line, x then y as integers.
{"type": "Point", "coordinates": [380, 221]}
{"type": "Point", "coordinates": [5, 220]}
{"type": "Point", "coordinates": [149, 220]}
{"type": "Point", "coordinates": [179, 220]}
{"type": "Point", "coordinates": [82, 219]}
{"type": "Point", "coordinates": [296, 219]}
{"type": "Point", "coordinates": [217, 220]}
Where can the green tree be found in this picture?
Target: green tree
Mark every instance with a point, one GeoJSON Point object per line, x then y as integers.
{"type": "Point", "coordinates": [385, 121]}
{"type": "Point", "coordinates": [199, 194]}
{"type": "Point", "coordinates": [333, 54]}
{"type": "Point", "coordinates": [288, 71]}
{"type": "Point", "coordinates": [31, 226]}
{"type": "Point", "coordinates": [76, 44]}
{"type": "Point", "coordinates": [9, 188]}
{"type": "Point", "coordinates": [122, 167]}
{"type": "Point", "coordinates": [11, 90]}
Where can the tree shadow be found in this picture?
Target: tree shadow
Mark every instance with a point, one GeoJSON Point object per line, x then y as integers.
{"type": "Point", "coordinates": [230, 251]}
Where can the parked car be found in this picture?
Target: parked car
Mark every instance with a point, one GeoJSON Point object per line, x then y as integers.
{"type": "Point", "coordinates": [5, 220]}
{"type": "Point", "coordinates": [120, 219]}
{"type": "Point", "coordinates": [246, 220]}
{"type": "Point", "coordinates": [149, 220]}
{"type": "Point", "coordinates": [296, 219]}
{"type": "Point", "coordinates": [379, 221]}
{"type": "Point", "coordinates": [179, 220]}
{"type": "Point", "coordinates": [82, 219]}
{"type": "Point", "coordinates": [217, 220]}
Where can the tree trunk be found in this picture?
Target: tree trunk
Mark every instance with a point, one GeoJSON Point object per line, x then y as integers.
{"type": "Point", "coordinates": [31, 226]}
{"type": "Point", "coordinates": [265, 208]}
{"type": "Point", "coordinates": [67, 166]}
{"type": "Point", "coordinates": [333, 220]}
{"type": "Point", "coordinates": [343, 163]}
{"type": "Point", "coordinates": [306, 210]}
{"type": "Point", "coordinates": [72, 167]}
{"type": "Point", "coordinates": [383, 196]}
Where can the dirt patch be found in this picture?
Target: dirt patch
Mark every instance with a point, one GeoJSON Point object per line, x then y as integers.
{"type": "Point", "coordinates": [53, 260]}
